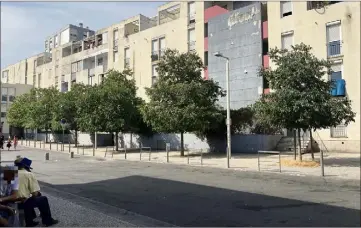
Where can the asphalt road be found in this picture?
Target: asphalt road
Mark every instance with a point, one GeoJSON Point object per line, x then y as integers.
{"type": "Point", "coordinates": [143, 194]}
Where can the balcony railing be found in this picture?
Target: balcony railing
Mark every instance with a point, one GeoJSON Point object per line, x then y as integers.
{"type": "Point", "coordinates": [191, 45]}
{"type": "Point", "coordinates": [91, 72]}
{"type": "Point", "coordinates": [155, 56]}
{"type": "Point", "coordinates": [334, 48]}
{"type": "Point", "coordinates": [192, 17]}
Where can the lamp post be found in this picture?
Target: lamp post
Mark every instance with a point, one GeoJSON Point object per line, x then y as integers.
{"type": "Point", "coordinates": [228, 123]}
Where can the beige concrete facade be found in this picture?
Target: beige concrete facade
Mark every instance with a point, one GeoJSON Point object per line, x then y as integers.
{"type": "Point", "coordinates": [309, 26]}
{"type": "Point", "coordinates": [133, 47]}
{"type": "Point", "coordinates": [8, 94]}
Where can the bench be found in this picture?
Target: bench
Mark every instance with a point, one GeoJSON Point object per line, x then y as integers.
{"type": "Point", "coordinates": [270, 152]}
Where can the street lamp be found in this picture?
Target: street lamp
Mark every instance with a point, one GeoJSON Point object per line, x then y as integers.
{"type": "Point", "coordinates": [218, 54]}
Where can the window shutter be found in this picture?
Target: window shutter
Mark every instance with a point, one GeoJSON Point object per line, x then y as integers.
{"type": "Point", "coordinates": [333, 32]}
{"type": "Point", "coordinates": [191, 35]}
{"type": "Point", "coordinates": [286, 7]}
{"type": "Point", "coordinates": [287, 41]}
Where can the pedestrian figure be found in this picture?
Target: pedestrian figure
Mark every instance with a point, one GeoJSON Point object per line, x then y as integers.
{"type": "Point", "coordinates": [15, 142]}
{"type": "Point", "coordinates": [8, 145]}
{"type": "Point", "coordinates": [2, 141]}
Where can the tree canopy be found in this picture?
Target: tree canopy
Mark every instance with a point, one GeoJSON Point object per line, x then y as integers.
{"type": "Point", "coordinates": [181, 100]}
{"type": "Point", "coordinates": [302, 98]}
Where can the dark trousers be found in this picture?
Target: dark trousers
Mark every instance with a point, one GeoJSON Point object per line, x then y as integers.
{"type": "Point", "coordinates": [41, 202]}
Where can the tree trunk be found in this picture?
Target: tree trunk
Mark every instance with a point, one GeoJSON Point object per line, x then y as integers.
{"type": "Point", "coordinates": [182, 145]}
{"type": "Point", "coordinates": [294, 143]}
{"type": "Point", "coordinates": [116, 141]}
{"type": "Point", "coordinates": [76, 137]}
{"type": "Point", "coordinates": [299, 145]}
{"type": "Point", "coordinates": [311, 139]}
{"type": "Point", "coordinates": [46, 135]}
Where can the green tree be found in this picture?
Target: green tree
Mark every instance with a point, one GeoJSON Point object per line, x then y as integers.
{"type": "Point", "coordinates": [66, 107]}
{"type": "Point", "coordinates": [89, 110]}
{"type": "Point", "coordinates": [17, 113]}
{"type": "Point", "coordinates": [181, 100]}
{"type": "Point", "coordinates": [119, 102]}
{"type": "Point", "coordinates": [302, 98]}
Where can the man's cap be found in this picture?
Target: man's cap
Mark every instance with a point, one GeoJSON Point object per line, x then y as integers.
{"type": "Point", "coordinates": [23, 162]}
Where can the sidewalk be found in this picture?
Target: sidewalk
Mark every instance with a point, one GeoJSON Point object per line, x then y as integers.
{"type": "Point", "coordinates": [337, 165]}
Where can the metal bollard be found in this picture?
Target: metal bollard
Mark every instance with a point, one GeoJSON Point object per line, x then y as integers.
{"type": "Point", "coordinates": [57, 146]}
{"type": "Point", "coordinates": [46, 156]}
{"type": "Point", "coordinates": [188, 157]}
{"type": "Point", "coordinates": [167, 148]}
{"type": "Point", "coordinates": [83, 149]}
{"type": "Point", "coordinates": [279, 160]}
{"type": "Point", "coordinates": [125, 152]}
{"type": "Point", "coordinates": [201, 157]}
{"type": "Point", "coordinates": [259, 166]}
{"type": "Point", "coordinates": [50, 145]}
{"type": "Point", "coordinates": [72, 154]}
{"type": "Point", "coordinates": [106, 151]}
{"type": "Point", "coordinates": [94, 150]}
{"type": "Point", "coordinates": [69, 146]}
{"type": "Point", "coordinates": [150, 153]}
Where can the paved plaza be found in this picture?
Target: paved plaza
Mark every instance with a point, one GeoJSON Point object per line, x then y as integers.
{"type": "Point", "coordinates": [133, 193]}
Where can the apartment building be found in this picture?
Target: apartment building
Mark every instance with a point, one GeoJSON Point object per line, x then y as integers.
{"type": "Point", "coordinates": [242, 31]}
{"type": "Point", "coordinates": [333, 31]}
{"type": "Point", "coordinates": [8, 94]}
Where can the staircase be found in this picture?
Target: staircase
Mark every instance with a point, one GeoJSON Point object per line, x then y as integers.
{"type": "Point", "coordinates": [286, 144]}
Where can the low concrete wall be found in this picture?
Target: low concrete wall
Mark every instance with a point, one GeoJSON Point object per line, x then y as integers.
{"type": "Point", "coordinates": [240, 143]}
{"type": "Point", "coordinates": [103, 139]}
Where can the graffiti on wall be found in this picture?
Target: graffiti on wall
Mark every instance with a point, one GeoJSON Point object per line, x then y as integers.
{"type": "Point", "coordinates": [240, 17]}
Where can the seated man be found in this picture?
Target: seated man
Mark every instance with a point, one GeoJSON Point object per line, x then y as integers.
{"type": "Point", "coordinates": [29, 190]}
{"type": "Point", "coordinates": [8, 196]}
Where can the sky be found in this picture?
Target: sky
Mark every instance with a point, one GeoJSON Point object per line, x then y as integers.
{"type": "Point", "coordinates": [25, 25]}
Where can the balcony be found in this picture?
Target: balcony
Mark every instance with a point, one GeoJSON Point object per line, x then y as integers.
{"type": "Point", "coordinates": [192, 18]}
{"type": "Point", "coordinates": [334, 49]}
{"type": "Point", "coordinates": [265, 61]}
{"type": "Point", "coordinates": [265, 30]}
{"type": "Point", "coordinates": [91, 72]}
{"type": "Point", "coordinates": [191, 46]}
{"type": "Point", "coordinates": [161, 52]}
{"type": "Point", "coordinates": [155, 56]}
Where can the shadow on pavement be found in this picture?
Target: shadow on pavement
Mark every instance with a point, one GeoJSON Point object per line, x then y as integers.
{"type": "Point", "coordinates": [185, 204]}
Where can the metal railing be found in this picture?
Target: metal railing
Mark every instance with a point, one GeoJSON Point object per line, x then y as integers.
{"type": "Point", "coordinates": [334, 48]}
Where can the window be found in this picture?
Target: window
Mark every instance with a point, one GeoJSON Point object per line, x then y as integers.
{"type": "Point", "coordinates": [3, 114]}
{"type": "Point", "coordinates": [206, 58]}
{"type": "Point", "coordinates": [336, 71]}
{"type": "Point", "coordinates": [56, 41]}
{"type": "Point", "coordinates": [4, 76]}
{"type": "Point", "coordinates": [206, 30]}
{"type": "Point", "coordinates": [100, 61]}
{"type": "Point", "coordinates": [115, 37]}
{"type": "Point", "coordinates": [11, 94]}
{"type": "Point", "coordinates": [115, 56]}
{"type": "Point", "coordinates": [64, 86]}
{"type": "Point", "coordinates": [191, 12]}
{"type": "Point", "coordinates": [333, 33]}
{"type": "Point", "coordinates": [162, 45]}
{"type": "Point", "coordinates": [339, 131]}
{"type": "Point", "coordinates": [155, 50]}
{"type": "Point", "coordinates": [126, 57]}
{"type": "Point", "coordinates": [287, 40]}
{"type": "Point", "coordinates": [4, 95]}
{"type": "Point", "coordinates": [286, 8]}
{"type": "Point", "coordinates": [191, 39]}
{"type": "Point", "coordinates": [154, 74]}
